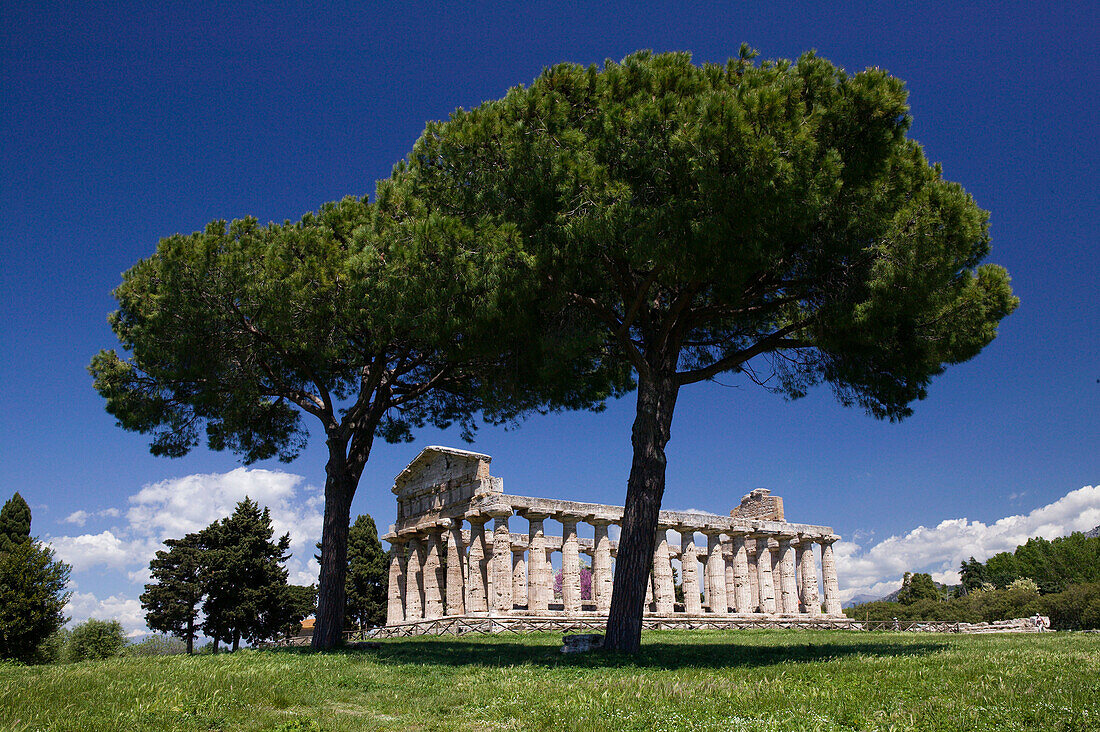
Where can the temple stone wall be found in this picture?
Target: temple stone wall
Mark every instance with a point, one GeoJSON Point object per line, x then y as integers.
{"type": "Point", "coordinates": [454, 554]}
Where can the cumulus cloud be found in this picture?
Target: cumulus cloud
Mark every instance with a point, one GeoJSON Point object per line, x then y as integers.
{"type": "Point", "coordinates": [85, 605]}
{"type": "Point", "coordinates": [939, 550]}
{"type": "Point", "coordinates": [174, 507]}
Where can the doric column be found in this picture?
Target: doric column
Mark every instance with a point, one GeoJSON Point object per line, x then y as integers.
{"type": "Point", "coordinates": [502, 560]}
{"type": "Point", "coordinates": [716, 573]}
{"type": "Point", "coordinates": [519, 577]}
{"type": "Point", "coordinates": [727, 563]}
{"type": "Point", "coordinates": [788, 585]}
{"type": "Point", "coordinates": [414, 580]}
{"type": "Point", "coordinates": [456, 564]}
{"type": "Point", "coordinates": [764, 575]}
{"type": "Point", "coordinates": [570, 565]}
{"type": "Point", "coordinates": [433, 579]}
{"type": "Point", "coordinates": [395, 600]}
{"type": "Point", "coordinates": [663, 584]}
{"type": "Point", "coordinates": [538, 592]}
{"type": "Point", "coordinates": [754, 576]}
{"type": "Point", "coordinates": [477, 566]}
{"type": "Point", "coordinates": [601, 565]}
{"type": "Point", "coordinates": [808, 570]}
{"type": "Point", "coordinates": [828, 573]}
{"type": "Point", "coordinates": [742, 588]}
{"type": "Point", "coordinates": [689, 570]}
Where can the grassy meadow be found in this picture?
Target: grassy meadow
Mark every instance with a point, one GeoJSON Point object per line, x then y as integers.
{"type": "Point", "coordinates": [682, 680]}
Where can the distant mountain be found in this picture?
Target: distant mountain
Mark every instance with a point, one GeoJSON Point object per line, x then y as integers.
{"type": "Point", "coordinates": [1094, 533]}
{"type": "Point", "coordinates": [860, 599]}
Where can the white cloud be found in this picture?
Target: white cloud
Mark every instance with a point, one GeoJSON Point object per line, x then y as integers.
{"type": "Point", "coordinates": [127, 611]}
{"type": "Point", "coordinates": [941, 549]}
{"type": "Point", "coordinates": [174, 507]}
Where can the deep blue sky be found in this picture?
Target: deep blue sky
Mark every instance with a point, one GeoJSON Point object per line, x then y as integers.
{"type": "Point", "coordinates": [121, 125]}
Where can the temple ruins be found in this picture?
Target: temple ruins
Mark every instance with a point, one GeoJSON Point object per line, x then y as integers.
{"type": "Point", "coordinates": [453, 571]}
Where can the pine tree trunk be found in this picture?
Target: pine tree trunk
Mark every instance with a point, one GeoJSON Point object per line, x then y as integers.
{"type": "Point", "coordinates": [644, 489]}
{"type": "Point", "coordinates": [190, 635]}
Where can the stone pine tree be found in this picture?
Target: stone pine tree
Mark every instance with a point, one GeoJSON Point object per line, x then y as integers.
{"type": "Point", "coordinates": [771, 220]}
{"type": "Point", "coordinates": [173, 599]}
{"type": "Point", "coordinates": [371, 325]}
{"type": "Point", "coordinates": [367, 576]}
{"type": "Point", "coordinates": [15, 522]}
{"type": "Point", "coordinates": [244, 578]}
{"type": "Point", "coordinates": [32, 586]}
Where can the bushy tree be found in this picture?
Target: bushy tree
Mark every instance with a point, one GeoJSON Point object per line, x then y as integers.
{"type": "Point", "coordinates": [916, 587]}
{"type": "Point", "coordinates": [300, 603]}
{"type": "Point", "coordinates": [770, 219]}
{"type": "Point", "coordinates": [174, 597]}
{"type": "Point", "coordinates": [32, 587]}
{"type": "Point", "coordinates": [95, 639]}
{"type": "Point", "coordinates": [368, 578]}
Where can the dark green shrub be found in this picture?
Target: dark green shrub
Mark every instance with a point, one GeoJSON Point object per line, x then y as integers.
{"type": "Point", "coordinates": [95, 639]}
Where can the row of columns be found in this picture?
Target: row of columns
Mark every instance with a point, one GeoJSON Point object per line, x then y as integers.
{"type": "Point", "coordinates": [741, 573]}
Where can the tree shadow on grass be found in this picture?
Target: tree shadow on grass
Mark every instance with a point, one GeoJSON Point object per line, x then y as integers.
{"type": "Point", "coordinates": [654, 654]}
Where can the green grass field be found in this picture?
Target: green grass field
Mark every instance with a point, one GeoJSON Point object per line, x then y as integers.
{"type": "Point", "coordinates": [741, 680]}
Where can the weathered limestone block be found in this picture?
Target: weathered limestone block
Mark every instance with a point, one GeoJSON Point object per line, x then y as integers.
{"type": "Point", "coordinates": [570, 565]}
{"type": "Point", "coordinates": [788, 584]}
{"type": "Point", "coordinates": [716, 573]}
{"type": "Point", "coordinates": [663, 584]}
{"type": "Point", "coordinates": [581, 643]}
{"type": "Point", "coordinates": [764, 575]}
{"type": "Point", "coordinates": [689, 571]}
{"type": "Point", "coordinates": [477, 567]}
{"type": "Point", "coordinates": [519, 577]}
{"type": "Point", "coordinates": [808, 577]}
{"type": "Point", "coordinates": [742, 590]}
{"type": "Point", "coordinates": [395, 601]}
{"type": "Point", "coordinates": [456, 580]}
{"type": "Point", "coordinates": [828, 572]}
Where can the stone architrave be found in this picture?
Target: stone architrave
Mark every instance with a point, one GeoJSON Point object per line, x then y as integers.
{"type": "Point", "coordinates": [828, 572]}
{"type": "Point", "coordinates": [716, 573]}
{"type": "Point", "coordinates": [764, 575]}
{"type": "Point", "coordinates": [477, 585]}
{"type": "Point", "coordinates": [601, 565]}
{"type": "Point", "coordinates": [788, 583]}
{"type": "Point", "coordinates": [570, 566]}
{"type": "Point", "coordinates": [519, 577]}
{"type": "Point", "coordinates": [742, 589]}
{"type": "Point", "coordinates": [663, 583]}
{"type": "Point", "coordinates": [808, 575]}
{"type": "Point", "coordinates": [689, 571]}
{"type": "Point", "coordinates": [395, 601]}
{"type": "Point", "coordinates": [433, 570]}
{"type": "Point", "coordinates": [502, 560]}
{"type": "Point", "coordinates": [414, 580]}
{"type": "Point", "coordinates": [456, 581]}
{"type": "Point", "coordinates": [538, 593]}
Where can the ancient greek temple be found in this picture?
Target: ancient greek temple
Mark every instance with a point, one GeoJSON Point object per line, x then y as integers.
{"type": "Point", "coordinates": [451, 571]}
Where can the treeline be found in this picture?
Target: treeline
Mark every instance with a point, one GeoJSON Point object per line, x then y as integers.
{"type": "Point", "coordinates": [1058, 578]}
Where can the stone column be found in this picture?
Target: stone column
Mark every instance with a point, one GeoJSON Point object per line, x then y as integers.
{"type": "Point", "coordinates": [727, 562]}
{"type": "Point", "coordinates": [570, 566]}
{"type": "Point", "coordinates": [477, 598]}
{"type": "Point", "coordinates": [456, 564]}
{"type": "Point", "coordinates": [828, 573]}
{"type": "Point", "coordinates": [395, 601]}
{"type": "Point", "coordinates": [764, 575]}
{"type": "Point", "coordinates": [433, 571]}
{"type": "Point", "coordinates": [538, 592]}
{"type": "Point", "coordinates": [519, 577]}
{"type": "Point", "coordinates": [663, 584]}
{"type": "Point", "coordinates": [601, 565]}
{"type": "Point", "coordinates": [414, 580]}
{"type": "Point", "coordinates": [788, 585]}
{"type": "Point", "coordinates": [754, 576]}
{"type": "Point", "coordinates": [742, 588]}
{"type": "Point", "coordinates": [502, 561]}
{"type": "Point", "coordinates": [808, 569]}
{"type": "Point", "coordinates": [716, 573]}
{"type": "Point", "coordinates": [689, 570]}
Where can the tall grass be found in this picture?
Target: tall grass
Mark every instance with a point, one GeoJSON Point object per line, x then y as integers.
{"type": "Point", "coordinates": [682, 680]}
